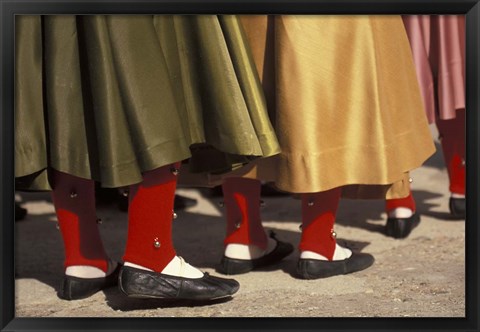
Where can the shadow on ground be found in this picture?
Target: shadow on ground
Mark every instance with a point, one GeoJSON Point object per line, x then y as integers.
{"type": "Point", "coordinates": [117, 301]}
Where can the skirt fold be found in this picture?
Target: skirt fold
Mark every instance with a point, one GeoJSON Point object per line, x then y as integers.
{"type": "Point", "coordinates": [128, 94]}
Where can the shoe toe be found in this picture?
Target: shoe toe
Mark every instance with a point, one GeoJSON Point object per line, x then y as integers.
{"type": "Point", "coordinates": [360, 262]}
{"type": "Point", "coordinates": [222, 287]}
{"type": "Point", "coordinates": [283, 249]}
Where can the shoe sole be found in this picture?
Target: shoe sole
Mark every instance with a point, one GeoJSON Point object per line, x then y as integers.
{"type": "Point", "coordinates": [335, 268]}
{"type": "Point", "coordinates": [146, 296]}
{"type": "Point", "coordinates": [142, 296]}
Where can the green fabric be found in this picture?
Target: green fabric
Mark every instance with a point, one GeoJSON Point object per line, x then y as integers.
{"type": "Point", "coordinates": [110, 97]}
{"type": "Point", "coordinates": [30, 139]}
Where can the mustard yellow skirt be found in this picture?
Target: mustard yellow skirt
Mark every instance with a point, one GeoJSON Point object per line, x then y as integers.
{"type": "Point", "coordinates": [345, 103]}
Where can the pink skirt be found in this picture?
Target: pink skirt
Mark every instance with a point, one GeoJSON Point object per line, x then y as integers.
{"type": "Point", "coordinates": [438, 47]}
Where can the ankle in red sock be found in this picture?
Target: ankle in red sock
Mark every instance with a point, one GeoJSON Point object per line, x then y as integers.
{"type": "Point", "coordinates": [74, 201]}
{"type": "Point", "coordinates": [452, 134]}
{"type": "Point", "coordinates": [242, 203]}
{"type": "Point", "coordinates": [318, 218]}
{"type": "Point", "coordinates": [456, 172]}
{"type": "Point", "coordinates": [406, 202]}
{"type": "Point", "coordinates": [150, 215]}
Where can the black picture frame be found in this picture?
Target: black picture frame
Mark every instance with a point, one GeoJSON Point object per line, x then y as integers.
{"type": "Point", "coordinates": [10, 8]}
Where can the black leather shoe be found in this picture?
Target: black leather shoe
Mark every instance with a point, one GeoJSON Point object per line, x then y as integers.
{"type": "Point", "coordinates": [75, 288]}
{"type": "Point", "coordinates": [457, 207]}
{"type": "Point", "coordinates": [239, 266]}
{"type": "Point", "coordinates": [315, 269]}
{"type": "Point", "coordinates": [20, 212]}
{"type": "Point", "coordinates": [182, 202]}
{"type": "Point", "coordinates": [148, 284]}
{"type": "Point", "coordinates": [400, 228]}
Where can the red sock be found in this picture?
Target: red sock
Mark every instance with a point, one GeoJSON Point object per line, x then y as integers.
{"type": "Point", "coordinates": [453, 146]}
{"type": "Point", "coordinates": [74, 200]}
{"type": "Point", "coordinates": [242, 203]}
{"type": "Point", "coordinates": [150, 215]}
{"type": "Point", "coordinates": [407, 202]}
{"type": "Point", "coordinates": [456, 172]}
{"type": "Point", "coordinates": [318, 217]}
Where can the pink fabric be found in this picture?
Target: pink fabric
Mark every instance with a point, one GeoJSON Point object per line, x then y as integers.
{"type": "Point", "coordinates": [438, 48]}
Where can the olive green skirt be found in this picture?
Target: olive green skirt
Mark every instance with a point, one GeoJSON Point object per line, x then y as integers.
{"type": "Point", "coordinates": [109, 97]}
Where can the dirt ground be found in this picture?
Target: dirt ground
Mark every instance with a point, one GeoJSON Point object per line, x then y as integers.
{"type": "Point", "coordinates": [421, 276]}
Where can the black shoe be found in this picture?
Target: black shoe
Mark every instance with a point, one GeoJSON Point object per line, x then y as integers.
{"type": "Point", "coordinates": [148, 284]}
{"type": "Point", "coordinates": [457, 207]}
{"type": "Point", "coordinates": [239, 266]}
{"type": "Point", "coordinates": [400, 228]}
{"type": "Point", "coordinates": [315, 269]}
{"type": "Point", "coordinates": [215, 191]}
{"type": "Point", "coordinates": [105, 196]}
{"type": "Point", "coordinates": [123, 203]}
{"type": "Point", "coordinates": [75, 288]}
{"type": "Point", "coordinates": [182, 202]}
{"type": "Point", "coordinates": [20, 212]}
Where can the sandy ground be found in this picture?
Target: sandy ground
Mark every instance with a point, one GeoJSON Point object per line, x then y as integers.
{"type": "Point", "coordinates": [421, 276]}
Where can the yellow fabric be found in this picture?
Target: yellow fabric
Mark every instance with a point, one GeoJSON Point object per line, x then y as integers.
{"type": "Point", "coordinates": [348, 110]}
